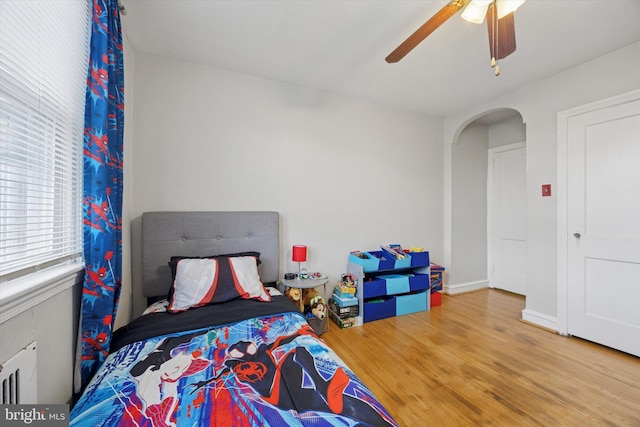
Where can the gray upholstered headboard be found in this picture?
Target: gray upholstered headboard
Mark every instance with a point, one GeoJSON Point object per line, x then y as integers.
{"type": "Point", "coordinates": [167, 234]}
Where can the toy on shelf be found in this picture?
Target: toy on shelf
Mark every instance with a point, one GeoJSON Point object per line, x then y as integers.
{"type": "Point", "coordinates": [347, 286]}
{"type": "Point", "coordinates": [313, 304]}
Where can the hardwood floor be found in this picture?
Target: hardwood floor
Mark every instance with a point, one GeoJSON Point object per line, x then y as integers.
{"type": "Point", "coordinates": [472, 361]}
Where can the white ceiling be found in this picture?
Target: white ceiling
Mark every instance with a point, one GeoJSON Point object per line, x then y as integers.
{"type": "Point", "coordinates": [339, 46]}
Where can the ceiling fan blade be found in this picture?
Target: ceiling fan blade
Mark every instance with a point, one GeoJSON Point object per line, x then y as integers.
{"type": "Point", "coordinates": [502, 38]}
{"type": "Point", "coordinates": [427, 28]}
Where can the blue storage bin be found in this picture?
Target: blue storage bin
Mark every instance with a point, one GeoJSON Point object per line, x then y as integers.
{"type": "Point", "coordinates": [396, 283]}
{"type": "Point", "coordinates": [374, 288]}
{"type": "Point", "coordinates": [419, 282]}
{"type": "Point", "coordinates": [419, 259]}
{"type": "Point", "coordinates": [383, 263]}
{"type": "Point", "coordinates": [369, 263]}
{"type": "Point", "coordinates": [379, 309]}
{"type": "Point", "coordinates": [411, 303]}
{"type": "Point", "coordinates": [389, 263]}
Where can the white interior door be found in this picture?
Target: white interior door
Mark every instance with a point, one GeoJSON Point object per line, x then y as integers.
{"type": "Point", "coordinates": [508, 218]}
{"type": "Point", "coordinates": [603, 226]}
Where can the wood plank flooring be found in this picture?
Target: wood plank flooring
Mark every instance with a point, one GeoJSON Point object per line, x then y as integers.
{"type": "Point", "coordinates": [472, 362]}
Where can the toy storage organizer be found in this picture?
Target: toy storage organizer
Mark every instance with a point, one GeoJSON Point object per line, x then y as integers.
{"type": "Point", "coordinates": [391, 287]}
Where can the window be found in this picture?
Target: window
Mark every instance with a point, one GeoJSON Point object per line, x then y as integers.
{"type": "Point", "coordinates": [44, 48]}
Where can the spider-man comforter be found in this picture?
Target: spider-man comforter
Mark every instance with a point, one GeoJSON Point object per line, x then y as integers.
{"type": "Point", "coordinates": [268, 369]}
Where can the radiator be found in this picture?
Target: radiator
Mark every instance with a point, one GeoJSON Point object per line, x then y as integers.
{"type": "Point", "coordinates": [18, 377]}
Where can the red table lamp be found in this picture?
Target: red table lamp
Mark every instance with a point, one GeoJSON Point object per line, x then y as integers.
{"type": "Point", "coordinates": [299, 254]}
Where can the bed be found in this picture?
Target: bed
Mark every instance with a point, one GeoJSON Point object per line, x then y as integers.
{"type": "Point", "coordinates": [215, 348]}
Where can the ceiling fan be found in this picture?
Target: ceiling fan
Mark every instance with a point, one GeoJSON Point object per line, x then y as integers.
{"type": "Point", "coordinates": [500, 23]}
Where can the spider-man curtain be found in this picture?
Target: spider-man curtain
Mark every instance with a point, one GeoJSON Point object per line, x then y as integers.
{"type": "Point", "coordinates": [103, 149]}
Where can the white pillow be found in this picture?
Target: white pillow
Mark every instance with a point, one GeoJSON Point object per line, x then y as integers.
{"type": "Point", "coordinates": [205, 281]}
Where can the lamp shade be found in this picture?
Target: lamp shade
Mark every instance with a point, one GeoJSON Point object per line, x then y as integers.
{"type": "Point", "coordinates": [505, 7]}
{"type": "Point", "coordinates": [299, 253]}
{"type": "Point", "coordinates": [476, 11]}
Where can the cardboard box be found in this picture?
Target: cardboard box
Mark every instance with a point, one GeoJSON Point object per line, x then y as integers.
{"type": "Point", "coordinates": [344, 302]}
{"type": "Point", "coordinates": [343, 323]}
{"type": "Point", "coordinates": [344, 312]}
{"type": "Point", "coordinates": [344, 291]}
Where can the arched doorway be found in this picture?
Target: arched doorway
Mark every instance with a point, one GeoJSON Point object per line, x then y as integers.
{"type": "Point", "coordinates": [473, 250]}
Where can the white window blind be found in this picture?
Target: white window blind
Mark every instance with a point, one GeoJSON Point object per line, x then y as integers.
{"type": "Point", "coordinates": [44, 48]}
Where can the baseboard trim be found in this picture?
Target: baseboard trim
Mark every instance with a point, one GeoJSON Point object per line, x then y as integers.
{"type": "Point", "coordinates": [539, 319]}
{"type": "Point", "coordinates": [465, 287]}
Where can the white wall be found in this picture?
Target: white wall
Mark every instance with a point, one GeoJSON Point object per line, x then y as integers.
{"type": "Point", "coordinates": [507, 132]}
{"type": "Point", "coordinates": [54, 325]}
{"type": "Point", "coordinates": [539, 104]}
{"type": "Point", "coordinates": [208, 139]}
{"type": "Point", "coordinates": [469, 208]}
{"type": "Point", "coordinates": [344, 174]}
{"type": "Point", "coordinates": [124, 307]}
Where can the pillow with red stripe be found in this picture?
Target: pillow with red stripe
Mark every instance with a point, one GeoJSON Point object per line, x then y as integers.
{"type": "Point", "coordinates": [213, 280]}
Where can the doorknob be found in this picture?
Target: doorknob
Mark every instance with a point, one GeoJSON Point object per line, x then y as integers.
{"type": "Point", "coordinates": [576, 235]}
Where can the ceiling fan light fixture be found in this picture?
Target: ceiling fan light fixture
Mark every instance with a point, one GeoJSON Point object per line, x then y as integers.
{"type": "Point", "coordinates": [505, 7]}
{"type": "Point", "coordinates": [476, 11]}
{"type": "Point", "coordinates": [501, 45]}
